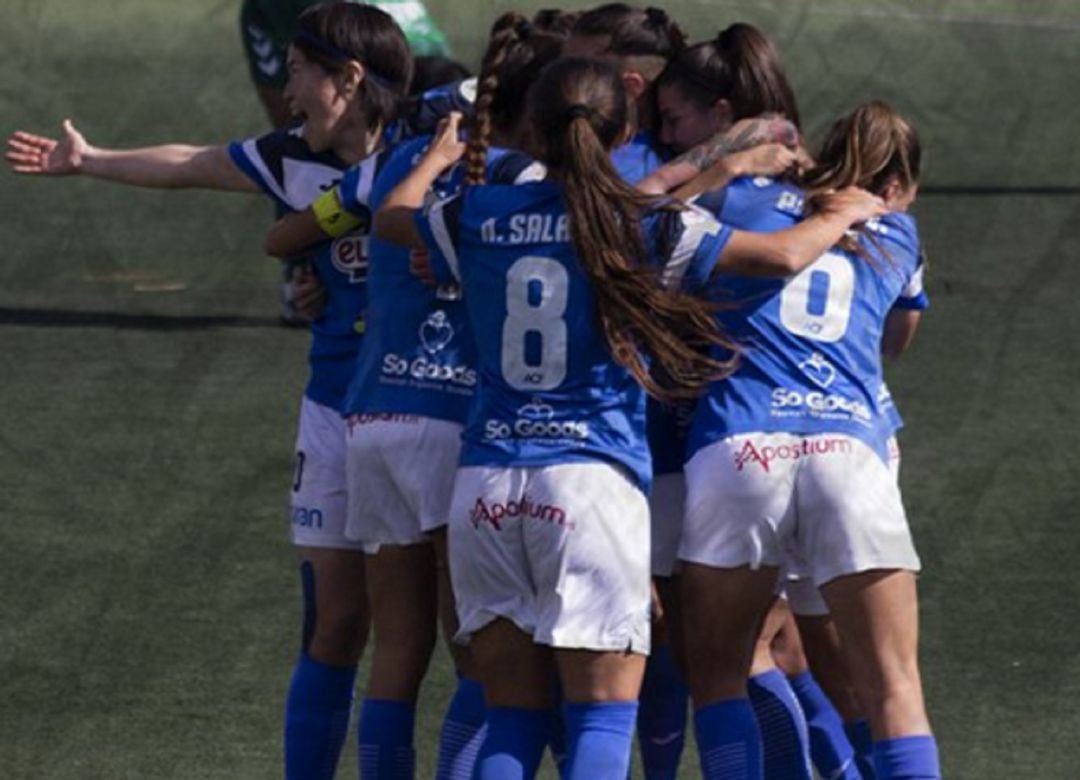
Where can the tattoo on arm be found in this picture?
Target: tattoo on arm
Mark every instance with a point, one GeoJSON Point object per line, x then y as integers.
{"type": "Point", "coordinates": [744, 135]}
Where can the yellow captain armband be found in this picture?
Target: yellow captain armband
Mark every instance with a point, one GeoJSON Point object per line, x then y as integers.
{"type": "Point", "coordinates": [331, 217]}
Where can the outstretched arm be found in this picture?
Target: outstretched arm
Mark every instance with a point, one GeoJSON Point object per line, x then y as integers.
{"type": "Point", "coordinates": [164, 167]}
{"type": "Point", "coordinates": [789, 251]}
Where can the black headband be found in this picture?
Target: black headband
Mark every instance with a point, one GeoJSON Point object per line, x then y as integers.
{"type": "Point", "coordinates": [305, 39]}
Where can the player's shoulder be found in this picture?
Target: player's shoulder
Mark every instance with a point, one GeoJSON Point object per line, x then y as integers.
{"type": "Point", "coordinates": [897, 231]}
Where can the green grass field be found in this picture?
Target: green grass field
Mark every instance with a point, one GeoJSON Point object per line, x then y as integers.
{"type": "Point", "coordinates": [150, 610]}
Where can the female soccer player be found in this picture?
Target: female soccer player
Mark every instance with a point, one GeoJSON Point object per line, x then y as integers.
{"type": "Point", "coordinates": [549, 525]}
{"type": "Point", "coordinates": [349, 66]}
{"type": "Point", "coordinates": [705, 89]}
{"type": "Point", "coordinates": [793, 447]}
{"type": "Point", "coordinates": [408, 399]}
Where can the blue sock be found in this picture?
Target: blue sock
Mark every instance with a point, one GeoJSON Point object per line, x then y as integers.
{"type": "Point", "coordinates": [784, 737]}
{"type": "Point", "coordinates": [661, 719]}
{"type": "Point", "coordinates": [858, 733]}
{"type": "Point", "coordinates": [599, 739]}
{"type": "Point", "coordinates": [514, 744]}
{"type": "Point", "coordinates": [907, 758]}
{"type": "Point", "coordinates": [462, 732]}
{"type": "Point", "coordinates": [316, 718]}
{"type": "Point", "coordinates": [729, 741]}
{"type": "Point", "coordinates": [384, 740]}
{"type": "Point", "coordinates": [830, 749]}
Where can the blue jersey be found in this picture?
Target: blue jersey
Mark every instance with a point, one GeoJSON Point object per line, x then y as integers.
{"type": "Point", "coordinates": [811, 359]}
{"type": "Point", "coordinates": [637, 158]}
{"type": "Point", "coordinates": [547, 396]}
{"type": "Point", "coordinates": [418, 356]}
{"type": "Point", "coordinates": [286, 169]}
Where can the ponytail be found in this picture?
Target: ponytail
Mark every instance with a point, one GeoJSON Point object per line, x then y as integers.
{"type": "Point", "coordinates": [580, 110]}
{"type": "Point", "coordinates": [740, 65]}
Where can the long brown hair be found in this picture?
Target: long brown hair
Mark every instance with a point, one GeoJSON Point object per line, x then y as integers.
{"type": "Point", "coordinates": [331, 34]}
{"type": "Point", "coordinates": [579, 110]}
{"type": "Point", "coordinates": [740, 65]}
{"type": "Point", "coordinates": [866, 148]}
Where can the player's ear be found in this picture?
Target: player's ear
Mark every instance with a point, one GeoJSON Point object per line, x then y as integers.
{"type": "Point", "coordinates": [724, 112]}
{"type": "Point", "coordinates": [350, 77]}
{"type": "Point", "coordinates": [634, 83]}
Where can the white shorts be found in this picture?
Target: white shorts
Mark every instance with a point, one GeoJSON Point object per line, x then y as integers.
{"type": "Point", "coordinates": [666, 504]}
{"type": "Point", "coordinates": [317, 501]}
{"type": "Point", "coordinates": [830, 496]}
{"type": "Point", "coordinates": [804, 597]}
{"type": "Point", "coordinates": [400, 470]}
{"type": "Point", "coordinates": [562, 551]}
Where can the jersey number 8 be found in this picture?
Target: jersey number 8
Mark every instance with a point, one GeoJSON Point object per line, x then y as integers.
{"type": "Point", "coordinates": [534, 331]}
{"type": "Point", "coordinates": [816, 302]}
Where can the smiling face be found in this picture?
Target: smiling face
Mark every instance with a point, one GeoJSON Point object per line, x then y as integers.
{"type": "Point", "coordinates": [683, 123]}
{"type": "Point", "coordinates": [315, 96]}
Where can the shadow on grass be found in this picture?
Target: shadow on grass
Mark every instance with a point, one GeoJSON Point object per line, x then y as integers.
{"type": "Point", "coordinates": [70, 318]}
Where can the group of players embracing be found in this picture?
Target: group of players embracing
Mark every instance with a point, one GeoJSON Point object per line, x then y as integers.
{"type": "Point", "coordinates": [598, 386]}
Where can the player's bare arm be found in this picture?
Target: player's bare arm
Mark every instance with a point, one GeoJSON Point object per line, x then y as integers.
{"type": "Point", "coordinates": [170, 166]}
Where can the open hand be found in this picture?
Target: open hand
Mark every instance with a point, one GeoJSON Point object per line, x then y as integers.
{"type": "Point", "coordinates": [35, 154]}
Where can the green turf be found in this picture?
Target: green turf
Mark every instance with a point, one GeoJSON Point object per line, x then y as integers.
{"type": "Point", "coordinates": [150, 610]}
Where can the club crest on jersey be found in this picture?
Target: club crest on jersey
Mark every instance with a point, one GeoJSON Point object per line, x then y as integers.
{"type": "Point", "coordinates": [436, 332]}
{"type": "Point", "coordinates": [349, 256]}
{"type": "Point", "coordinates": [818, 370]}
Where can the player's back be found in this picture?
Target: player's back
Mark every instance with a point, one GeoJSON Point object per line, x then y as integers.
{"type": "Point", "coordinates": [550, 391]}
{"type": "Point", "coordinates": [811, 344]}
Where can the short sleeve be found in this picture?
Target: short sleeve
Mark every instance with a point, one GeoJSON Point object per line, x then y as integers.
{"type": "Point", "coordinates": [249, 156]}
{"type": "Point", "coordinates": [693, 246]}
{"type": "Point", "coordinates": [902, 242]}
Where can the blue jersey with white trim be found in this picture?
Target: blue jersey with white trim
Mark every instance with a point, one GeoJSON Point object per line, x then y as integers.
{"type": "Point", "coordinates": [418, 356]}
{"type": "Point", "coordinates": [286, 169]}
{"type": "Point", "coordinates": [811, 359]}
{"type": "Point", "coordinates": [550, 391]}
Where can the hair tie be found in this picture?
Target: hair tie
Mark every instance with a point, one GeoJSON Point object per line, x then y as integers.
{"type": "Point", "coordinates": [580, 111]}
